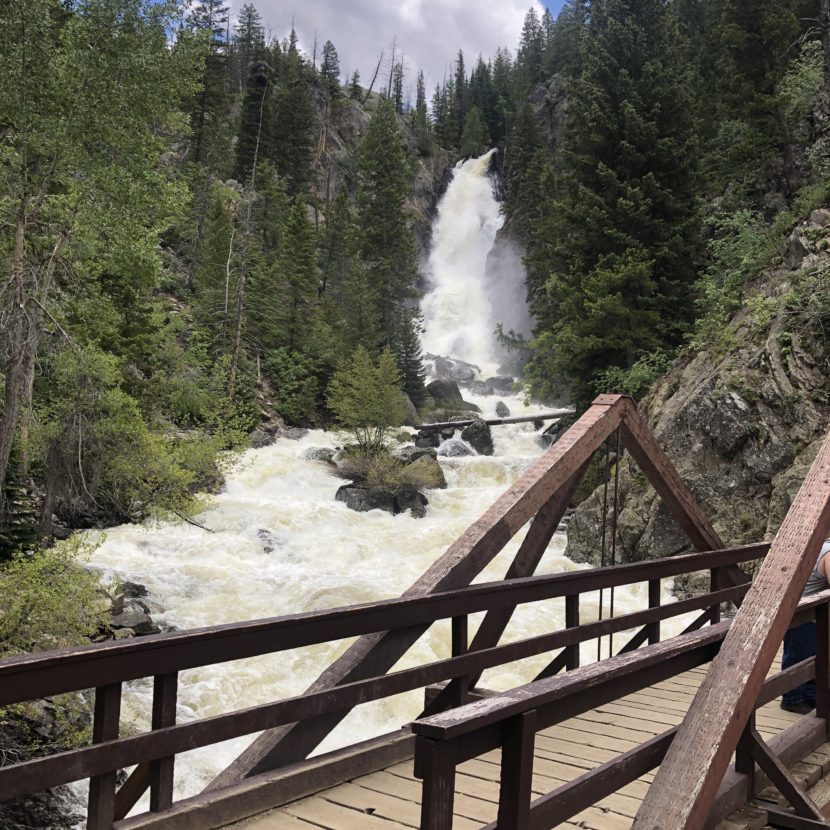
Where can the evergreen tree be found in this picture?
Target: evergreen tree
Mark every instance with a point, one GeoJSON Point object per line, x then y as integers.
{"type": "Point", "coordinates": [255, 122]}
{"type": "Point", "coordinates": [249, 41]}
{"type": "Point", "coordinates": [420, 118]}
{"type": "Point", "coordinates": [409, 356]}
{"type": "Point", "coordinates": [397, 87]}
{"type": "Point", "coordinates": [299, 279]}
{"type": "Point", "coordinates": [387, 243]}
{"type": "Point", "coordinates": [330, 69]}
{"type": "Point", "coordinates": [530, 55]}
{"type": "Point", "coordinates": [617, 241]}
{"type": "Point", "coordinates": [521, 168]}
{"type": "Point", "coordinates": [562, 48]}
{"type": "Point", "coordinates": [475, 138]}
{"type": "Point", "coordinates": [293, 126]}
{"type": "Point", "coordinates": [209, 18]}
{"type": "Point", "coordinates": [502, 73]}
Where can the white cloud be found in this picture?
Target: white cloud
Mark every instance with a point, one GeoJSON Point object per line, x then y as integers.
{"type": "Point", "coordinates": [429, 32]}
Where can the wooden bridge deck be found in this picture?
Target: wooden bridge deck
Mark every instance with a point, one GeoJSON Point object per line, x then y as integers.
{"type": "Point", "coordinates": [390, 800]}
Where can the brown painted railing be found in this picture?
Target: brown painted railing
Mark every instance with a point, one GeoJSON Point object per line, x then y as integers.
{"type": "Point", "coordinates": [106, 667]}
{"type": "Point", "coordinates": [509, 721]}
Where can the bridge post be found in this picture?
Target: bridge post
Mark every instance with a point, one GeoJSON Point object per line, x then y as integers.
{"type": "Point", "coordinates": [517, 772]}
{"type": "Point", "coordinates": [654, 602]}
{"type": "Point", "coordinates": [572, 621]}
{"type": "Point", "coordinates": [436, 761]}
{"type": "Point", "coordinates": [105, 727]}
{"type": "Point", "coordinates": [165, 692]}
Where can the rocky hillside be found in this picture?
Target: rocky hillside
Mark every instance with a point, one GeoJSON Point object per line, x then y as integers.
{"type": "Point", "coordinates": [741, 419]}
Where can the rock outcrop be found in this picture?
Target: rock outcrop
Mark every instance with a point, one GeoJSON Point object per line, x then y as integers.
{"type": "Point", "coordinates": [741, 424]}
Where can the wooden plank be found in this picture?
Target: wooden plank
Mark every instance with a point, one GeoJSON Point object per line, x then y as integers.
{"type": "Point", "coordinates": [463, 561]}
{"type": "Point", "coordinates": [700, 755]}
{"type": "Point", "coordinates": [517, 773]}
{"type": "Point", "coordinates": [264, 792]}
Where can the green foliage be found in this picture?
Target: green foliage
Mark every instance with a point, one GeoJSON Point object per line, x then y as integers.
{"type": "Point", "coordinates": [802, 82]}
{"type": "Point", "coordinates": [19, 529]}
{"type": "Point", "coordinates": [49, 600]}
{"type": "Point", "coordinates": [387, 244]}
{"type": "Point", "coordinates": [637, 380]}
{"type": "Point", "coordinates": [365, 398]}
{"type": "Point", "coordinates": [475, 138]}
{"type": "Point", "coordinates": [291, 374]}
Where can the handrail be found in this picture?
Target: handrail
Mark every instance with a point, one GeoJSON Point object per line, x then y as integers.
{"type": "Point", "coordinates": [107, 665]}
{"type": "Point", "coordinates": [511, 719]}
{"type": "Point", "coordinates": [38, 675]}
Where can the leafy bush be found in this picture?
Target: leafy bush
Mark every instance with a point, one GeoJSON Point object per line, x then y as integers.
{"type": "Point", "coordinates": [637, 380]}
{"type": "Point", "coordinates": [365, 398]}
{"type": "Point", "coordinates": [49, 600]}
{"type": "Point", "coordinates": [801, 85]}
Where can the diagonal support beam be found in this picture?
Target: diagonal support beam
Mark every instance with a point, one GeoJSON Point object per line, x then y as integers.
{"type": "Point", "coordinates": [375, 654]}
{"type": "Point", "coordinates": [781, 778]}
{"type": "Point", "coordinates": [700, 755]}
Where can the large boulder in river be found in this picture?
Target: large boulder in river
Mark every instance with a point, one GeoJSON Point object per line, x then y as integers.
{"type": "Point", "coordinates": [447, 367]}
{"type": "Point", "coordinates": [501, 410]}
{"type": "Point", "coordinates": [455, 448]}
{"type": "Point", "coordinates": [363, 499]}
{"type": "Point", "coordinates": [479, 437]}
{"type": "Point", "coordinates": [426, 472]}
{"type": "Point", "coordinates": [410, 413]}
{"type": "Point", "coordinates": [447, 395]}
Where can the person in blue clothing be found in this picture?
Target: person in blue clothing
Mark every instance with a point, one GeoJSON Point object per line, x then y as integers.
{"type": "Point", "coordinates": [800, 642]}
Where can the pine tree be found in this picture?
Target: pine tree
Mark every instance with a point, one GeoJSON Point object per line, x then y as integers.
{"type": "Point", "coordinates": [475, 138]}
{"type": "Point", "coordinates": [387, 243]}
{"type": "Point", "coordinates": [622, 222]}
{"type": "Point", "coordinates": [562, 48]}
{"type": "Point", "coordinates": [521, 168]}
{"type": "Point", "coordinates": [330, 69]}
{"type": "Point", "coordinates": [410, 360]}
{"type": "Point", "coordinates": [355, 90]}
{"type": "Point", "coordinates": [299, 279]}
{"type": "Point", "coordinates": [255, 122]}
{"type": "Point", "coordinates": [249, 41]}
{"type": "Point", "coordinates": [530, 55]}
{"type": "Point", "coordinates": [293, 125]}
{"type": "Point", "coordinates": [209, 18]}
{"type": "Point", "coordinates": [397, 87]}
{"type": "Point", "coordinates": [420, 118]}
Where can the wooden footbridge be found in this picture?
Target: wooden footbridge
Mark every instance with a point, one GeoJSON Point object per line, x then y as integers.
{"type": "Point", "coordinates": [665, 734]}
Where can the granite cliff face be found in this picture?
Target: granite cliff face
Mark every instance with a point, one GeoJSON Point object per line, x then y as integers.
{"type": "Point", "coordinates": [742, 426]}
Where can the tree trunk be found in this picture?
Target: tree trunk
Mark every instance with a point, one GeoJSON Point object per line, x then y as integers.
{"type": "Point", "coordinates": [17, 341]}
{"type": "Point", "coordinates": [825, 40]}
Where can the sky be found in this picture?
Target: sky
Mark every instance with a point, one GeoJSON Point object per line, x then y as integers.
{"type": "Point", "coordinates": [430, 32]}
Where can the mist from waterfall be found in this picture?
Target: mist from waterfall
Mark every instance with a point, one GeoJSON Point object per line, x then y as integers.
{"type": "Point", "coordinates": [466, 300]}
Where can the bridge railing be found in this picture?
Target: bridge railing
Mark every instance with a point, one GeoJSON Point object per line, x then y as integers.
{"type": "Point", "coordinates": [510, 721]}
{"type": "Point", "coordinates": [106, 667]}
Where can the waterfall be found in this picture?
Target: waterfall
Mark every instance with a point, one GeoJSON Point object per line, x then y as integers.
{"type": "Point", "coordinates": [458, 310]}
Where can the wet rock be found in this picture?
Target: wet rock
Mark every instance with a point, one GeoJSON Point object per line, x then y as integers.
{"type": "Point", "coordinates": [501, 410]}
{"type": "Point", "coordinates": [426, 472]}
{"type": "Point", "coordinates": [427, 438]}
{"type": "Point", "coordinates": [411, 452]}
{"type": "Point", "coordinates": [134, 590]}
{"type": "Point", "coordinates": [363, 499]}
{"type": "Point", "coordinates": [446, 367]}
{"type": "Point", "coordinates": [479, 387]}
{"type": "Point", "coordinates": [479, 437]}
{"type": "Point", "coordinates": [325, 454]}
{"type": "Point", "coordinates": [293, 433]}
{"type": "Point", "coordinates": [268, 540]}
{"type": "Point", "coordinates": [455, 448]}
{"type": "Point", "coordinates": [138, 621]}
{"type": "Point", "coordinates": [447, 395]}
{"type": "Point", "coordinates": [259, 438]}
{"type": "Point", "coordinates": [410, 499]}
{"type": "Point", "coordinates": [820, 218]}
{"type": "Point", "coordinates": [502, 383]}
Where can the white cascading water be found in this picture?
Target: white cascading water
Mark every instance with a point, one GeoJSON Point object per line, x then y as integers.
{"type": "Point", "coordinates": [459, 319]}
{"type": "Point", "coordinates": [282, 544]}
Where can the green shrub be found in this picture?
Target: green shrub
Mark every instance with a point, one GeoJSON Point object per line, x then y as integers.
{"type": "Point", "coordinates": [637, 380]}
{"type": "Point", "coordinates": [296, 386]}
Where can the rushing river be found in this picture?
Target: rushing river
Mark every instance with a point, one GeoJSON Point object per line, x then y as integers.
{"type": "Point", "coordinates": [281, 544]}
